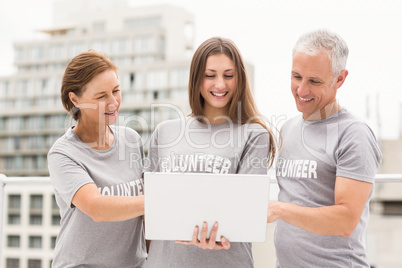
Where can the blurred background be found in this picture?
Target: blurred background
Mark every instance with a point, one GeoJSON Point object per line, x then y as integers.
{"type": "Point", "coordinates": [152, 43]}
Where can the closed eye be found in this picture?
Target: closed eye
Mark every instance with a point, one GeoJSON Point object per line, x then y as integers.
{"type": "Point", "coordinates": [314, 82]}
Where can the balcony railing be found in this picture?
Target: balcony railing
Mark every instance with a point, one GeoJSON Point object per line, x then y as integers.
{"type": "Point", "coordinates": [4, 181]}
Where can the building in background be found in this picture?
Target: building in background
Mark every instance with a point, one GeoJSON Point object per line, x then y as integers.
{"type": "Point", "coordinates": [152, 47]}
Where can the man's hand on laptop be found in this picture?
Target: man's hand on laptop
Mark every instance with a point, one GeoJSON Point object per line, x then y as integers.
{"type": "Point", "coordinates": [205, 243]}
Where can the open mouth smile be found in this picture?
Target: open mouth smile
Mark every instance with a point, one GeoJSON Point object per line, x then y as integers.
{"type": "Point", "coordinates": [111, 113]}
{"type": "Point", "coordinates": [216, 94]}
{"type": "Point", "coordinates": [305, 100]}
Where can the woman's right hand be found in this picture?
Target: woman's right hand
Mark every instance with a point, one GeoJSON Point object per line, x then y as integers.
{"type": "Point", "coordinates": [205, 243]}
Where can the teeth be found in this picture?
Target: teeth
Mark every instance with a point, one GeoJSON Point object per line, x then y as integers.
{"type": "Point", "coordinates": [219, 94]}
{"type": "Point", "coordinates": [305, 99]}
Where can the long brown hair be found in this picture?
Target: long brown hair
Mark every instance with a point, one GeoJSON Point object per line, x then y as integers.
{"type": "Point", "coordinates": [79, 72]}
{"type": "Point", "coordinates": [242, 108]}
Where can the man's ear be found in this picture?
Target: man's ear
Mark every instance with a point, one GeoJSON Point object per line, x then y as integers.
{"type": "Point", "coordinates": [73, 98]}
{"type": "Point", "coordinates": [341, 78]}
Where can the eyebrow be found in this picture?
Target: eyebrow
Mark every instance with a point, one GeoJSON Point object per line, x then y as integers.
{"type": "Point", "coordinates": [212, 70]}
{"type": "Point", "coordinates": [312, 77]}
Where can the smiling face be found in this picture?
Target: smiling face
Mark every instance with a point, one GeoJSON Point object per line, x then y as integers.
{"type": "Point", "coordinates": [100, 101]}
{"type": "Point", "coordinates": [218, 85]}
{"type": "Point", "coordinates": [312, 83]}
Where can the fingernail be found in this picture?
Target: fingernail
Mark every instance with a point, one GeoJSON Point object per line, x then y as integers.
{"type": "Point", "coordinates": [216, 224]}
{"type": "Point", "coordinates": [195, 229]}
{"type": "Point", "coordinates": [204, 225]}
{"type": "Point", "coordinates": [223, 240]}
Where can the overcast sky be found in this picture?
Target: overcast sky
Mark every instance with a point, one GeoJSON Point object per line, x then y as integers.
{"type": "Point", "coordinates": [265, 31]}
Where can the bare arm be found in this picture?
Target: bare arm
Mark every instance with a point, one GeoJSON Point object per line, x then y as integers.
{"type": "Point", "coordinates": [339, 219]}
{"type": "Point", "coordinates": [107, 208]}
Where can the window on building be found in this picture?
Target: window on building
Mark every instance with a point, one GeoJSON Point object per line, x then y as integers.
{"type": "Point", "coordinates": [179, 78]}
{"type": "Point", "coordinates": [4, 89]}
{"type": "Point", "coordinates": [179, 94]}
{"type": "Point", "coordinates": [13, 144]}
{"type": "Point", "coordinates": [53, 242]}
{"type": "Point", "coordinates": [14, 201]}
{"type": "Point", "coordinates": [50, 140]}
{"type": "Point", "coordinates": [161, 44]}
{"type": "Point", "coordinates": [35, 242]}
{"type": "Point", "coordinates": [31, 162]}
{"type": "Point", "coordinates": [36, 202]}
{"type": "Point", "coordinates": [19, 54]}
{"type": "Point", "coordinates": [34, 122]}
{"type": "Point", "coordinates": [144, 44]}
{"type": "Point", "coordinates": [392, 208]}
{"type": "Point", "coordinates": [23, 103]}
{"type": "Point", "coordinates": [157, 79]}
{"type": "Point", "coordinates": [45, 102]}
{"type": "Point", "coordinates": [101, 46]}
{"type": "Point", "coordinates": [54, 122]}
{"type": "Point", "coordinates": [140, 23]}
{"type": "Point", "coordinates": [42, 87]}
{"type": "Point", "coordinates": [121, 46]}
{"type": "Point", "coordinates": [99, 27]}
{"type": "Point", "coordinates": [34, 263]}
{"type": "Point", "coordinates": [13, 241]}
{"type": "Point", "coordinates": [56, 220]}
{"type": "Point", "coordinates": [144, 59]}
{"type": "Point", "coordinates": [36, 53]}
{"type": "Point", "coordinates": [57, 51]}
{"type": "Point", "coordinates": [54, 203]}
{"type": "Point", "coordinates": [12, 263]}
{"type": "Point", "coordinates": [14, 219]}
{"type": "Point", "coordinates": [35, 219]}
{"type": "Point", "coordinates": [77, 48]}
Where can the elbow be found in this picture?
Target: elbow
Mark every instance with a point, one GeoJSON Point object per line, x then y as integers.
{"type": "Point", "coordinates": [349, 229]}
{"type": "Point", "coordinates": [95, 213]}
{"type": "Point", "coordinates": [347, 233]}
{"type": "Point", "coordinates": [96, 218]}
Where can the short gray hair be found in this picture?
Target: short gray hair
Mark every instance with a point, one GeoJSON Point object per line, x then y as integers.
{"type": "Point", "coordinates": [317, 41]}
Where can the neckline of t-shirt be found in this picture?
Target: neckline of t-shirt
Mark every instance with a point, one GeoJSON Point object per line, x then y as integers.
{"type": "Point", "coordinates": [192, 118]}
{"type": "Point", "coordinates": [75, 136]}
{"type": "Point", "coordinates": [336, 114]}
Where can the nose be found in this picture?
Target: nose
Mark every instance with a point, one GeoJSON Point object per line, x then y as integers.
{"type": "Point", "coordinates": [219, 83]}
{"type": "Point", "coordinates": [114, 103]}
{"type": "Point", "coordinates": [303, 89]}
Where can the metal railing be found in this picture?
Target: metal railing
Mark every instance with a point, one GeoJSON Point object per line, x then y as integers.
{"type": "Point", "coordinates": [4, 180]}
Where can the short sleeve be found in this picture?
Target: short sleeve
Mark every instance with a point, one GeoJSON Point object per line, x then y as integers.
{"type": "Point", "coordinates": [152, 159]}
{"type": "Point", "coordinates": [254, 159]}
{"type": "Point", "coordinates": [67, 176]}
{"type": "Point", "coordinates": [358, 153]}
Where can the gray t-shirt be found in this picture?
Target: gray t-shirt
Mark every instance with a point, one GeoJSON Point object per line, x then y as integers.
{"type": "Point", "coordinates": [187, 145]}
{"type": "Point", "coordinates": [116, 171]}
{"type": "Point", "coordinates": [313, 153]}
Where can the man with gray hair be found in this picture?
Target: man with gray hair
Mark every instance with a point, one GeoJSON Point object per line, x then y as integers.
{"type": "Point", "coordinates": [326, 166]}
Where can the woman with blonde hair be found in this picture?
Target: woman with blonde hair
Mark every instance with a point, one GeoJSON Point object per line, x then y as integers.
{"type": "Point", "coordinates": [224, 134]}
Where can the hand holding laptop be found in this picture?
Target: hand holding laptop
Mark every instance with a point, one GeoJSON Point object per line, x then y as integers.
{"type": "Point", "coordinates": [205, 243]}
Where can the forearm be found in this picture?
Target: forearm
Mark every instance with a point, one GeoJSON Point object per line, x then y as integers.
{"type": "Point", "coordinates": [116, 208]}
{"type": "Point", "coordinates": [329, 220]}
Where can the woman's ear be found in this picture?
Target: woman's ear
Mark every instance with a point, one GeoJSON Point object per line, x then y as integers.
{"type": "Point", "coordinates": [73, 98]}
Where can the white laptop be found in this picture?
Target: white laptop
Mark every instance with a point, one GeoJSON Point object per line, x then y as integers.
{"type": "Point", "coordinates": [176, 202]}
